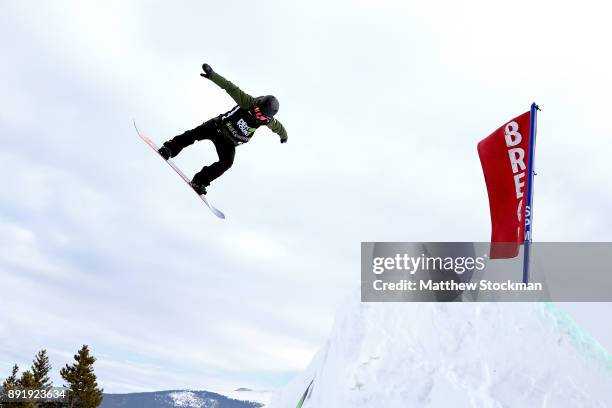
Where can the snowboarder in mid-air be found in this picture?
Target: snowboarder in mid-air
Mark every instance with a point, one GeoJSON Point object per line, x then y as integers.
{"type": "Point", "coordinates": [227, 130]}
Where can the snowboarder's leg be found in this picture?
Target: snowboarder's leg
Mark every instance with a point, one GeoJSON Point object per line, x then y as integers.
{"type": "Point", "coordinates": [173, 147]}
{"type": "Point", "coordinates": [226, 151]}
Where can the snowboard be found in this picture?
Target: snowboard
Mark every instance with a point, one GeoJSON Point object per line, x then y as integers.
{"type": "Point", "coordinates": [178, 171]}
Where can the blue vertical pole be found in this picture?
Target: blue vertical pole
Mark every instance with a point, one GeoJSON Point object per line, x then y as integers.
{"type": "Point", "coordinates": [529, 199]}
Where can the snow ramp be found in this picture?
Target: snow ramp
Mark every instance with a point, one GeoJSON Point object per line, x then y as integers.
{"type": "Point", "coordinates": [454, 355]}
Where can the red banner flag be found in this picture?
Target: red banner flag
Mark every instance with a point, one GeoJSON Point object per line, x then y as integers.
{"type": "Point", "coordinates": [504, 156]}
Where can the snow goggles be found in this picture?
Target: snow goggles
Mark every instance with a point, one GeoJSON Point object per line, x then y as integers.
{"type": "Point", "coordinates": [259, 114]}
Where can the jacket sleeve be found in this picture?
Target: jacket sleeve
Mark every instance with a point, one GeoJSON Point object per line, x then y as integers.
{"type": "Point", "coordinates": [278, 128]}
{"type": "Point", "coordinates": [243, 99]}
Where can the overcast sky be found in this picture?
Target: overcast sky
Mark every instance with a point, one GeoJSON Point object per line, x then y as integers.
{"type": "Point", "coordinates": [384, 102]}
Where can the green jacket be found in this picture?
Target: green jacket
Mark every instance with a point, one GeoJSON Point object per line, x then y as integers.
{"type": "Point", "coordinates": [245, 102]}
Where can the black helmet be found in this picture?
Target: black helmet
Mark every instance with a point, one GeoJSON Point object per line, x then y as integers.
{"type": "Point", "coordinates": [268, 105]}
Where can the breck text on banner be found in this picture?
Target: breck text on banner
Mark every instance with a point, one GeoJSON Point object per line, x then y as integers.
{"type": "Point", "coordinates": [504, 156]}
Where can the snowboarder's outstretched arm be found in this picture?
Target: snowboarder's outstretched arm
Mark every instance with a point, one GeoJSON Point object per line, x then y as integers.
{"type": "Point", "coordinates": [279, 129]}
{"type": "Point", "coordinates": [243, 99]}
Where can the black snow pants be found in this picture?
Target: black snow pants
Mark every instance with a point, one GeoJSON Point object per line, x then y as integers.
{"type": "Point", "coordinates": [225, 150]}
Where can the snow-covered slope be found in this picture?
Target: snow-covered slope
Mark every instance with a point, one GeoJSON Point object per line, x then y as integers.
{"type": "Point", "coordinates": [455, 355]}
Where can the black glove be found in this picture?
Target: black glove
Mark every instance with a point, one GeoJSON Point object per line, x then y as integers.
{"type": "Point", "coordinates": [284, 140]}
{"type": "Point", "coordinates": [207, 70]}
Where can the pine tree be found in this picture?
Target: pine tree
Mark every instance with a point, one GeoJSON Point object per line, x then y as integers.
{"type": "Point", "coordinates": [9, 383]}
{"type": "Point", "coordinates": [81, 380]}
{"type": "Point", "coordinates": [40, 370]}
{"type": "Point", "coordinates": [37, 377]}
{"type": "Point", "coordinates": [27, 380]}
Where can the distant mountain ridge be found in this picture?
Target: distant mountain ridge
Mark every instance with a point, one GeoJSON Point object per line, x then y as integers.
{"type": "Point", "coordinates": [174, 399]}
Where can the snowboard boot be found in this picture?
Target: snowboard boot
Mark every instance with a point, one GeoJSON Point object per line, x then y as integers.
{"type": "Point", "coordinates": [199, 188]}
{"type": "Point", "coordinates": [199, 183]}
{"type": "Point", "coordinates": [165, 152]}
